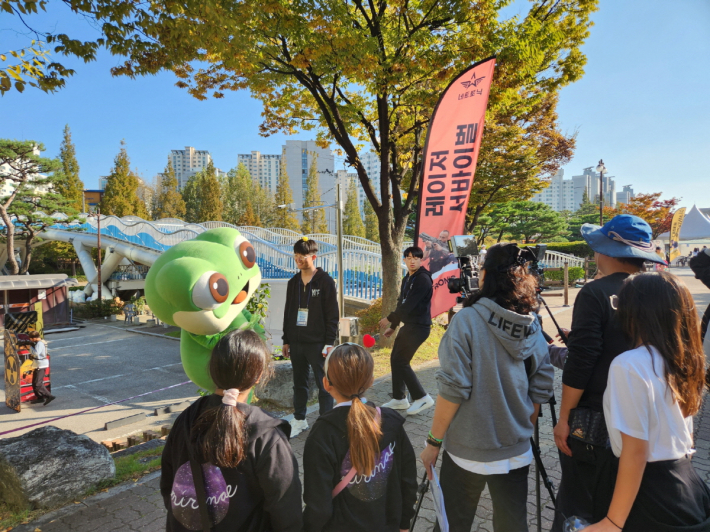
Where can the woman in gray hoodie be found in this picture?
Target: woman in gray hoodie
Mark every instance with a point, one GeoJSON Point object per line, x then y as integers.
{"type": "Point", "coordinates": [495, 373]}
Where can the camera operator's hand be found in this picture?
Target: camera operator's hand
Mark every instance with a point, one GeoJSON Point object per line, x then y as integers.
{"type": "Point", "coordinates": [389, 332]}
{"type": "Point", "coordinates": [566, 333]}
{"type": "Point", "coordinates": [561, 433]}
{"type": "Point", "coordinates": [429, 456]}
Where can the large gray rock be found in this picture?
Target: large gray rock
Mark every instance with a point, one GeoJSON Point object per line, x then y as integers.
{"type": "Point", "coordinates": [278, 390]}
{"type": "Point", "coordinates": [49, 466]}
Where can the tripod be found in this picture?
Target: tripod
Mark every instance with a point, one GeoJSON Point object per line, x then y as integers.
{"type": "Point", "coordinates": [540, 472]}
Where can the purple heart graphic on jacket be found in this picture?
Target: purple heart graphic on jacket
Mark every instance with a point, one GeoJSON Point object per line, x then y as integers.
{"type": "Point", "coordinates": [184, 497]}
{"type": "Point", "coordinates": [371, 487]}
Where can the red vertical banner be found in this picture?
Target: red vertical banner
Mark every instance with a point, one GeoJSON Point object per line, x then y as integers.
{"type": "Point", "coordinates": [450, 156]}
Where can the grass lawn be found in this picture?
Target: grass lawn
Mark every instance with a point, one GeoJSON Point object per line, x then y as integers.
{"type": "Point", "coordinates": [129, 467]}
{"type": "Point", "coordinates": [427, 352]}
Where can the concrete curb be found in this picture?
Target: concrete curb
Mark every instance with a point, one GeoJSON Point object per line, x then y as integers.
{"type": "Point", "coordinates": [66, 510]}
{"type": "Point", "coordinates": [152, 334]}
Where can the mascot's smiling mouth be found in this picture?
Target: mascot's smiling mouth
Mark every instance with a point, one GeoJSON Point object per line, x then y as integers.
{"type": "Point", "coordinates": [242, 295]}
{"type": "Point", "coordinates": [206, 322]}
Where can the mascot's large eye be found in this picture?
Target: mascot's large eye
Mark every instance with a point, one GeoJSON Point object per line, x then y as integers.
{"type": "Point", "coordinates": [210, 291]}
{"type": "Point", "coordinates": [247, 254]}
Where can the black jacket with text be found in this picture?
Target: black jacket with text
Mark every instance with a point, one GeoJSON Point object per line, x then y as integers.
{"type": "Point", "coordinates": [321, 299]}
{"type": "Point", "coordinates": [414, 302]}
{"type": "Point", "coordinates": [382, 502]}
{"type": "Point", "coordinates": [262, 494]}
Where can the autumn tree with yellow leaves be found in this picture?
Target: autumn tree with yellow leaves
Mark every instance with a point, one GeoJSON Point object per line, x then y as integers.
{"type": "Point", "coordinates": [358, 73]}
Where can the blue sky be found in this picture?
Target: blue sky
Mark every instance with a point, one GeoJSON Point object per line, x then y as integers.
{"type": "Point", "coordinates": [642, 105]}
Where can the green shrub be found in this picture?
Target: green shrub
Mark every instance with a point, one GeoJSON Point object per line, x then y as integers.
{"type": "Point", "coordinates": [575, 272]}
{"type": "Point", "coordinates": [97, 309]}
{"type": "Point", "coordinates": [578, 249]}
{"type": "Point", "coordinates": [258, 305]}
{"type": "Point", "coordinates": [370, 317]}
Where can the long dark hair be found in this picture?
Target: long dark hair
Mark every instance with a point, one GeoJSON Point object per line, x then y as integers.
{"type": "Point", "coordinates": [507, 281]}
{"type": "Point", "coordinates": [350, 371]}
{"type": "Point", "coordinates": [656, 309]}
{"type": "Point", "coordinates": [239, 360]}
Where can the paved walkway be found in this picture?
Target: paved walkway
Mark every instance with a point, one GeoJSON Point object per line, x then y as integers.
{"type": "Point", "coordinates": [139, 507]}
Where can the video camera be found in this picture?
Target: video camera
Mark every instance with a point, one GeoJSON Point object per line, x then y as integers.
{"type": "Point", "coordinates": [465, 249]}
{"type": "Point", "coordinates": [533, 255]}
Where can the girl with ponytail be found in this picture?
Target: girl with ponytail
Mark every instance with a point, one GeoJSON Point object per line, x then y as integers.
{"type": "Point", "coordinates": [359, 466]}
{"type": "Point", "coordinates": [227, 465]}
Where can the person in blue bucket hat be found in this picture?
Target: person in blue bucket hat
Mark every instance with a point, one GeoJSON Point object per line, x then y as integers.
{"type": "Point", "coordinates": [588, 465]}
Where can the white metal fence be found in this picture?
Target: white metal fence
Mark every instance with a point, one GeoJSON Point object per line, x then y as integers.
{"type": "Point", "coordinates": [362, 259]}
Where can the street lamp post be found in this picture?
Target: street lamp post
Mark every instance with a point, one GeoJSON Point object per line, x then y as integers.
{"type": "Point", "coordinates": [338, 206]}
{"type": "Point", "coordinates": [98, 248]}
{"type": "Point", "coordinates": [601, 169]}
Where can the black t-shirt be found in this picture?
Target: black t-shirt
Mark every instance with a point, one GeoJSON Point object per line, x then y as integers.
{"type": "Point", "coordinates": [596, 339]}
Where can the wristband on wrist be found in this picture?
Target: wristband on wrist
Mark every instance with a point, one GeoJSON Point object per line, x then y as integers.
{"type": "Point", "coordinates": [434, 437]}
{"type": "Point", "coordinates": [613, 523]}
{"type": "Point", "coordinates": [433, 442]}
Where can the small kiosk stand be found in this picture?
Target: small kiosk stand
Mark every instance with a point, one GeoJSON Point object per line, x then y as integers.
{"type": "Point", "coordinates": [18, 365]}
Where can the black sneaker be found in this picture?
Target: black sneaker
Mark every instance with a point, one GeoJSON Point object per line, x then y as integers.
{"type": "Point", "coordinates": [36, 401]}
{"type": "Point", "coordinates": [49, 400]}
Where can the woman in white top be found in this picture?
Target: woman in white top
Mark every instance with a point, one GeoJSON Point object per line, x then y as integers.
{"type": "Point", "coordinates": [652, 393]}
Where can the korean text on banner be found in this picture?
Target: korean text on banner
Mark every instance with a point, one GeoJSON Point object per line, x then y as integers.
{"type": "Point", "coordinates": [676, 224]}
{"type": "Point", "coordinates": [450, 156]}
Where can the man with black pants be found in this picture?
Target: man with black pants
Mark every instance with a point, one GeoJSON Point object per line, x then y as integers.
{"type": "Point", "coordinates": [38, 351]}
{"type": "Point", "coordinates": [589, 467]}
{"type": "Point", "coordinates": [310, 329]}
{"type": "Point", "coordinates": [414, 310]}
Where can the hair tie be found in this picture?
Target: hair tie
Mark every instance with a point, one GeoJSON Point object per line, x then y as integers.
{"type": "Point", "coordinates": [230, 397]}
{"type": "Point", "coordinates": [355, 396]}
{"type": "Point", "coordinates": [305, 239]}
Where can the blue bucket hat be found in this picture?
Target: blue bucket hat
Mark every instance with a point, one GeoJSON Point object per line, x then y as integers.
{"type": "Point", "coordinates": [623, 237]}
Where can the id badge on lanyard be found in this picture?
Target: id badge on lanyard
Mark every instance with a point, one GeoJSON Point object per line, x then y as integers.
{"type": "Point", "coordinates": [302, 315]}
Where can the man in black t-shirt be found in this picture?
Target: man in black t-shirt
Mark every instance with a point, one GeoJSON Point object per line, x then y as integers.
{"type": "Point", "coordinates": [588, 471]}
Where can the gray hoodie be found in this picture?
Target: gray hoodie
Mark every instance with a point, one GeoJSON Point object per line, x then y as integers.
{"type": "Point", "coordinates": [482, 368]}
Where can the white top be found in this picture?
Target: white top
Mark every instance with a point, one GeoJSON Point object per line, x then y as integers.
{"type": "Point", "coordinates": [499, 467]}
{"type": "Point", "coordinates": [40, 351]}
{"type": "Point", "coordinates": [639, 403]}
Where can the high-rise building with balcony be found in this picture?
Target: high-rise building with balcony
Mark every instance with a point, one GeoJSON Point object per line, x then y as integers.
{"type": "Point", "coordinates": [188, 162]}
{"type": "Point", "coordinates": [299, 154]}
{"type": "Point", "coordinates": [263, 168]}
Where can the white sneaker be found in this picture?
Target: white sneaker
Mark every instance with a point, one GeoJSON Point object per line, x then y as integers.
{"type": "Point", "coordinates": [420, 404]}
{"type": "Point", "coordinates": [298, 426]}
{"type": "Point", "coordinates": [397, 404]}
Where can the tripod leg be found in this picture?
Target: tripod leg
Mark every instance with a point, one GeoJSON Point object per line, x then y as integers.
{"type": "Point", "coordinates": [538, 500]}
{"type": "Point", "coordinates": [422, 489]}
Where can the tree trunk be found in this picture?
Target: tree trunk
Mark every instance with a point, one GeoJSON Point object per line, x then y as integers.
{"type": "Point", "coordinates": [28, 253]}
{"type": "Point", "coordinates": [10, 228]}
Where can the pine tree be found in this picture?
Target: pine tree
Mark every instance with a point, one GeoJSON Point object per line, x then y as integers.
{"type": "Point", "coordinates": [191, 198]}
{"type": "Point", "coordinates": [33, 209]}
{"type": "Point", "coordinates": [121, 194]}
{"type": "Point", "coordinates": [20, 165]}
{"type": "Point", "coordinates": [372, 230]}
{"type": "Point", "coordinates": [313, 221]}
{"type": "Point", "coordinates": [283, 218]}
{"type": "Point", "coordinates": [169, 203]}
{"type": "Point", "coordinates": [67, 183]}
{"type": "Point", "coordinates": [236, 191]}
{"type": "Point", "coordinates": [352, 221]}
{"type": "Point", "coordinates": [249, 218]}
{"type": "Point", "coordinates": [210, 195]}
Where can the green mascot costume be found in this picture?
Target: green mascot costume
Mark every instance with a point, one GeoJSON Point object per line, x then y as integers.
{"type": "Point", "coordinates": [203, 286]}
